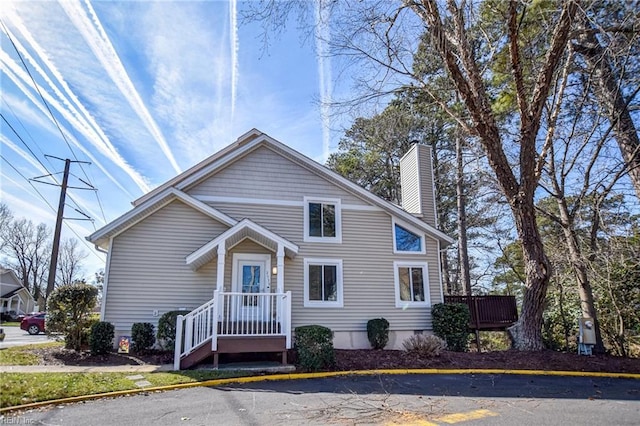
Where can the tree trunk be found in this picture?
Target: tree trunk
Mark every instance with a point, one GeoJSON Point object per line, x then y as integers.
{"type": "Point", "coordinates": [611, 97]}
{"type": "Point", "coordinates": [463, 253]}
{"type": "Point", "coordinates": [587, 304]}
{"type": "Point", "coordinates": [526, 334]}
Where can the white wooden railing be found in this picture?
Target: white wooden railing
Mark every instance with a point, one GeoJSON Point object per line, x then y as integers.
{"type": "Point", "coordinates": [233, 314]}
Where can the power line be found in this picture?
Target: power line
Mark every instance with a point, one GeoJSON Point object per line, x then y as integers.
{"type": "Point", "coordinates": [91, 249]}
{"type": "Point", "coordinates": [36, 157]}
{"type": "Point", "coordinates": [35, 85]}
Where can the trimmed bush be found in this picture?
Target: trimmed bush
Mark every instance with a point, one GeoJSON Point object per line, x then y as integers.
{"type": "Point", "coordinates": [167, 329]}
{"type": "Point", "coordinates": [69, 312]}
{"type": "Point", "coordinates": [451, 323]}
{"type": "Point", "coordinates": [101, 337]}
{"type": "Point", "coordinates": [378, 333]}
{"type": "Point", "coordinates": [424, 345]}
{"type": "Point", "coordinates": [314, 344]}
{"type": "Point", "coordinates": [143, 335]}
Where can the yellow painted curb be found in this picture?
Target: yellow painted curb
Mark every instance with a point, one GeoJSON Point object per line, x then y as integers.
{"type": "Point", "coordinates": [298, 376]}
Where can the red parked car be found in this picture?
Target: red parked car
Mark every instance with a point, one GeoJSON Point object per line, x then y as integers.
{"type": "Point", "coordinates": [33, 323]}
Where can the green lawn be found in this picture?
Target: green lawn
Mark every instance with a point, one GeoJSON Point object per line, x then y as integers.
{"type": "Point", "coordinates": [21, 355]}
{"type": "Point", "coordinates": [9, 324]}
{"type": "Point", "coordinates": [23, 388]}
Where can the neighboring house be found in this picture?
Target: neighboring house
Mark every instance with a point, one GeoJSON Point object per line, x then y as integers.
{"type": "Point", "coordinates": [264, 239]}
{"type": "Point", "coordinates": [13, 295]}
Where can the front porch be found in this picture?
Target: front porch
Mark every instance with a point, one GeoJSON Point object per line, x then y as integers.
{"type": "Point", "coordinates": [252, 316]}
{"type": "Point", "coordinates": [234, 323]}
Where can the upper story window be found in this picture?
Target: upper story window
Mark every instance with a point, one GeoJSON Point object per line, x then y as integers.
{"type": "Point", "coordinates": [406, 241]}
{"type": "Point", "coordinates": [322, 220]}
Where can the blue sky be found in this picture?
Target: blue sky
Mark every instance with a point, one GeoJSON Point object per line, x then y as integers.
{"type": "Point", "coordinates": [144, 90]}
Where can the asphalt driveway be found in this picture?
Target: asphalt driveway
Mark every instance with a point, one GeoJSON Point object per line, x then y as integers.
{"type": "Point", "coordinates": [17, 337]}
{"type": "Point", "coordinates": [423, 399]}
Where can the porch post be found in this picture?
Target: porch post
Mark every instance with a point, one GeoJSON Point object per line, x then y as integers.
{"type": "Point", "coordinates": [280, 263]}
{"type": "Point", "coordinates": [220, 273]}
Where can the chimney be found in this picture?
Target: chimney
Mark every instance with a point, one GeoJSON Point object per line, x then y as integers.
{"type": "Point", "coordinates": [416, 180]}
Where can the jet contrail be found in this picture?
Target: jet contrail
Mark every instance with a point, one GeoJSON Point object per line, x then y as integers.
{"type": "Point", "coordinates": [97, 39]}
{"type": "Point", "coordinates": [20, 77]}
{"type": "Point", "coordinates": [322, 36]}
{"type": "Point", "coordinates": [233, 38]}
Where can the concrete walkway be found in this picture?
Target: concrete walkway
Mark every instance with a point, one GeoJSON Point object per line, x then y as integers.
{"type": "Point", "coordinates": [144, 368]}
{"type": "Point", "coordinates": [147, 368]}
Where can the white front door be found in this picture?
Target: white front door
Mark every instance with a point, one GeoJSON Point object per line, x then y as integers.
{"type": "Point", "coordinates": [250, 276]}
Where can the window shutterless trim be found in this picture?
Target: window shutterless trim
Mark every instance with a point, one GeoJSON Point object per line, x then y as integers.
{"type": "Point", "coordinates": [338, 303]}
{"type": "Point", "coordinates": [423, 248]}
{"type": "Point", "coordinates": [425, 284]}
{"type": "Point", "coordinates": [338, 220]}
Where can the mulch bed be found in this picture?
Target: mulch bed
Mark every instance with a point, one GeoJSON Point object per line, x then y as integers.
{"type": "Point", "coordinates": [387, 359]}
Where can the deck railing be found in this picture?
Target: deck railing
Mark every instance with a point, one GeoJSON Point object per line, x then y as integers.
{"type": "Point", "coordinates": [233, 314]}
{"type": "Point", "coordinates": [488, 312]}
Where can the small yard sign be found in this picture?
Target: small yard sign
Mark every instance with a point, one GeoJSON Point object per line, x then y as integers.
{"type": "Point", "coordinates": [123, 344]}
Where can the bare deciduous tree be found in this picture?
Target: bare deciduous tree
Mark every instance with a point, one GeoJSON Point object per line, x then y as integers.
{"type": "Point", "coordinates": [70, 262]}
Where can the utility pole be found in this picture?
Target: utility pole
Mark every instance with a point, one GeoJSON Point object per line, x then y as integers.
{"type": "Point", "coordinates": [53, 263]}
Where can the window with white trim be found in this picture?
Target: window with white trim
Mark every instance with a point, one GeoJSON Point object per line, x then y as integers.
{"type": "Point", "coordinates": [322, 220]}
{"type": "Point", "coordinates": [406, 240]}
{"type": "Point", "coordinates": [323, 283]}
{"type": "Point", "coordinates": [411, 284]}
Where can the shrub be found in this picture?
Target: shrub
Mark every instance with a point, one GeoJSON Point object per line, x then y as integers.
{"type": "Point", "coordinates": [143, 336]}
{"type": "Point", "coordinates": [167, 329]}
{"type": "Point", "coordinates": [69, 312]}
{"type": "Point", "coordinates": [314, 344]}
{"type": "Point", "coordinates": [424, 345]}
{"type": "Point", "coordinates": [378, 332]}
{"type": "Point", "coordinates": [451, 323]}
{"type": "Point", "coordinates": [101, 337]}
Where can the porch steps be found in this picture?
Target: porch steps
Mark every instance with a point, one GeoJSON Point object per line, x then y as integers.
{"type": "Point", "coordinates": [196, 356]}
{"type": "Point", "coordinates": [236, 344]}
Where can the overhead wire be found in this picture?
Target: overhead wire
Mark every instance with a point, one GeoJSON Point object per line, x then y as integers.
{"type": "Point", "coordinates": [46, 104]}
{"type": "Point", "coordinates": [51, 175]}
{"type": "Point", "coordinates": [91, 250]}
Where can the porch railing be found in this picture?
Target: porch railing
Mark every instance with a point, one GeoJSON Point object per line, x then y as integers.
{"type": "Point", "coordinates": [233, 314]}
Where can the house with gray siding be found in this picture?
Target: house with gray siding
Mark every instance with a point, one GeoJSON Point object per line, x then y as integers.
{"type": "Point", "coordinates": [259, 239]}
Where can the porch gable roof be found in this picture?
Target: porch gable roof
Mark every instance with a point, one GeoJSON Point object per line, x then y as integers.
{"type": "Point", "coordinates": [234, 235]}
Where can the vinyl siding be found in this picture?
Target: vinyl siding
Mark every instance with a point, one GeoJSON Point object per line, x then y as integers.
{"type": "Point", "coordinates": [265, 174]}
{"type": "Point", "coordinates": [416, 180]}
{"type": "Point", "coordinates": [147, 269]}
{"type": "Point", "coordinates": [368, 276]}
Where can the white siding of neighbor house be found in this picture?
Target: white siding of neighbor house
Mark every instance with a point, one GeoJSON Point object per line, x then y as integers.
{"type": "Point", "coordinates": [416, 180]}
{"type": "Point", "coordinates": [264, 174]}
{"type": "Point", "coordinates": [147, 269]}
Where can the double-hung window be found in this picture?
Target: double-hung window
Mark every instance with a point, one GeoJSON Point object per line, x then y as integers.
{"type": "Point", "coordinates": [323, 283]}
{"type": "Point", "coordinates": [322, 220]}
{"type": "Point", "coordinates": [411, 284]}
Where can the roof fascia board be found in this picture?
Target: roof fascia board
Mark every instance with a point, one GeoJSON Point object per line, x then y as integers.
{"type": "Point", "coordinates": [153, 205]}
{"type": "Point", "coordinates": [358, 190]}
{"type": "Point", "coordinates": [244, 223]}
{"type": "Point", "coordinates": [243, 139]}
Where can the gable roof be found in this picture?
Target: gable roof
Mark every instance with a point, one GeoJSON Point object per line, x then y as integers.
{"type": "Point", "coordinates": [101, 236]}
{"type": "Point", "coordinates": [8, 277]}
{"type": "Point", "coordinates": [234, 235]}
{"type": "Point", "coordinates": [245, 144]}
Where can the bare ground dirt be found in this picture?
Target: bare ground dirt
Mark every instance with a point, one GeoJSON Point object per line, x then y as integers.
{"type": "Point", "coordinates": [387, 359]}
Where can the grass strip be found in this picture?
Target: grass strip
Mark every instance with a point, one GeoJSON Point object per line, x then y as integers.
{"type": "Point", "coordinates": [23, 388]}
{"type": "Point", "coordinates": [23, 355]}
